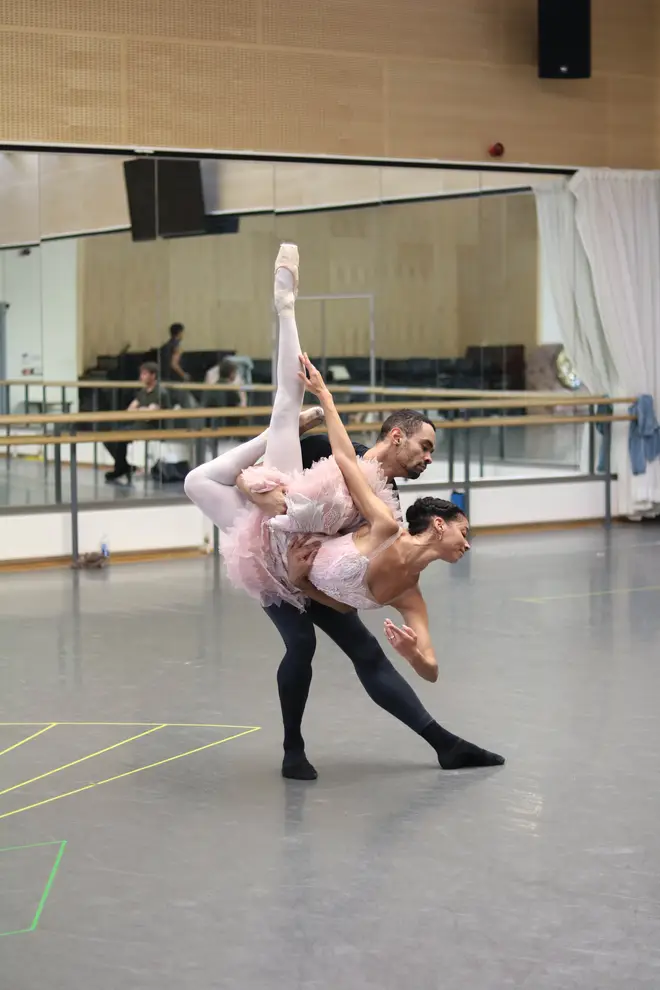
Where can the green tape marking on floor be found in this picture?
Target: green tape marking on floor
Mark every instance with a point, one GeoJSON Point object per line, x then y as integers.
{"type": "Point", "coordinates": [47, 888]}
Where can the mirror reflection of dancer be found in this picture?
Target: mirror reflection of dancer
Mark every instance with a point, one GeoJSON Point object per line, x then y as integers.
{"type": "Point", "coordinates": [375, 563]}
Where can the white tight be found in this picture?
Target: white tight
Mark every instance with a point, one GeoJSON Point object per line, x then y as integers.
{"type": "Point", "coordinates": [283, 443]}
{"type": "Point", "coordinates": [212, 486]}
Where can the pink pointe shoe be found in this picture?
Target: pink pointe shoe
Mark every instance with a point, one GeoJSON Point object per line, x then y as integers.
{"type": "Point", "coordinates": [286, 285]}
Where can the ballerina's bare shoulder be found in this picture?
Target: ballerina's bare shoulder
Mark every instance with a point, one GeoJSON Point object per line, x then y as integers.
{"type": "Point", "coordinates": [390, 571]}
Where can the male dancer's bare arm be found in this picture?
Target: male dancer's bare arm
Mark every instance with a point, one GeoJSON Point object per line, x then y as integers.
{"type": "Point", "coordinates": [310, 591]}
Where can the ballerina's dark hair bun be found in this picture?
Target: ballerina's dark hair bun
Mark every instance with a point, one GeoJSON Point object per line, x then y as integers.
{"type": "Point", "coordinates": [423, 510]}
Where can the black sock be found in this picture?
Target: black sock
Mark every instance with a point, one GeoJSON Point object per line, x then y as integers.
{"type": "Point", "coordinates": [455, 753]}
{"type": "Point", "coordinates": [296, 766]}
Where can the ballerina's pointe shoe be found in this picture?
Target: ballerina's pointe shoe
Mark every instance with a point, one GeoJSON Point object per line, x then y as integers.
{"type": "Point", "coordinates": [310, 418]}
{"type": "Point", "coordinates": [286, 277]}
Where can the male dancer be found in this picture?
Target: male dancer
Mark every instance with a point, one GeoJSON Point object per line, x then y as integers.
{"type": "Point", "coordinates": [404, 449]}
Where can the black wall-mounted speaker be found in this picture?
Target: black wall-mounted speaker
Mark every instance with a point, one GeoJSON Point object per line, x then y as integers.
{"type": "Point", "coordinates": [165, 197]}
{"type": "Point", "coordinates": [564, 39]}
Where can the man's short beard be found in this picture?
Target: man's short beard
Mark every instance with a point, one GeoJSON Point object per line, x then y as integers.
{"type": "Point", "coordinates": [413, 475]}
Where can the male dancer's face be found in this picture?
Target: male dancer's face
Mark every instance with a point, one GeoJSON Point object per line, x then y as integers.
{"type": "Point", "coordinates": [413, 453]}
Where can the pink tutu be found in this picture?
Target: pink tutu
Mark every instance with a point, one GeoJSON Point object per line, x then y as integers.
{"type": "Point", "coordinates": [255, 548]}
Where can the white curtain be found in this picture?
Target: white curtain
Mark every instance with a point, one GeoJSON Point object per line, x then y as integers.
{"type": "Point", "coordinates": [566, 270]}
{"type": "Point", "coordinates": [618, 219]}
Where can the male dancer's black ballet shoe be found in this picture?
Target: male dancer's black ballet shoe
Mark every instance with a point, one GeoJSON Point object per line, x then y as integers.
{"type": "Point", "coordinates": [296, 766]}
{"type": "Point", "coordinates": [455, 753]}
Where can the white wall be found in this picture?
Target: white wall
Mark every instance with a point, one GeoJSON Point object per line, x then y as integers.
{"type": "Point", "coordinates": [34, 536]}
{"type": "Point", "coordinates": [45, 535]}
{"type": "Point", "coordinates": [59, 287]}
{"type": "Point", "coordinates": [20, 287]}
{"type": "Point", "coordinates": [531, 504]}
{"type": "Point", "coordinates": [41, 288]}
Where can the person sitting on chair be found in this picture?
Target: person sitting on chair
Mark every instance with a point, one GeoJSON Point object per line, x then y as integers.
{"type": "Point", "coordinates": [152, 395]}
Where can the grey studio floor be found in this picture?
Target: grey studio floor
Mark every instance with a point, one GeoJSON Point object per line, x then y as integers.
{"type": "Point", "coordinates": [208, 870]}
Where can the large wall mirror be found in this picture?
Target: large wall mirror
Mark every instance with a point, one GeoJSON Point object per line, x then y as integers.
{"type": "Point", "coordinates": [411, 278]}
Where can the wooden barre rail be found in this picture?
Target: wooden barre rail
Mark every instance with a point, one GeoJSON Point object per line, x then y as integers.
{"type": "Point", "coordinates": [471, 393]}
{"type": "Point", "coordinates": [235, 412]}
{"type": "Point", "coordinates": [129, 436]}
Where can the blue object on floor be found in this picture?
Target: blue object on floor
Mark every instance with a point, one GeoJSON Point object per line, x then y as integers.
{"type": "Point", "coordinates": [458, 498]}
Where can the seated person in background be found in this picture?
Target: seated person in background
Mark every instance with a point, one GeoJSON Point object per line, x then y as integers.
{"type": "Point", "coordinates": [169, 356]}
{"type": "Point", "coordinates": [227, 373]}
{"type": "Point", "coordinates": [151, 396]}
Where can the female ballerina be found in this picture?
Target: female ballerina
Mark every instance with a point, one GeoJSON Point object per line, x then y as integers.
{"type": "Point", "coordinates": [364, 558]}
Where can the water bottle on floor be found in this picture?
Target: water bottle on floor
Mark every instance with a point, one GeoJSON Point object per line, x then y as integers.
{"type": "Point", "coordinates": [458, 498]}
{"type": "Point", "coordinates": [105, 547]}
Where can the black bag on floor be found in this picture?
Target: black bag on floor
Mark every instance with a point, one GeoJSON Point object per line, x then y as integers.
{"type": "Point", "coordinates": [166, 474]}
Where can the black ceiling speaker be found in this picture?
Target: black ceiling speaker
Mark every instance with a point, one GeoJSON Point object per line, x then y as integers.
{"type": "Point", "coordinates": [564, 39]}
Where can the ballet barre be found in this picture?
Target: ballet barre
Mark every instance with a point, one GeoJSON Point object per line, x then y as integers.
{"type": "Point", "coordinates": [442, 411]}
{"type": "Point", "coordinates": [236, 412]}
{"type": "Point", "coordinates": [345, 388]}
{"type": "Point", "coordinates": [467, 425]}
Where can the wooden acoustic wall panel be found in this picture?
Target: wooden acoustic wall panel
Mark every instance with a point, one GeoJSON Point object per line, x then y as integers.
{"type": "Point", "coordinates": [402, 78]}
{"type": "Point", "coordinates": [476, 104]}
{"type": "Point", "coordinates": [194, 96]}
{"type": "Point", "coordinates": [232, 97]}
{"type": "Point", "coordinates": [625, 38]}
{"type": "Point", "coordinates": [427, 29]}
{"type": "Point", "coordinates": [201, 20]}
{"type": "Point", "coordinates": [60, 87]}
{"type": "Point", "coordinates": [315, 101]}
{"type": "Point", "coordinates": [633, 107]}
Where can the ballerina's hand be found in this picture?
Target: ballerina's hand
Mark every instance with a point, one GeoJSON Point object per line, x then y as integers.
{"type": "Point", "coordinates": [404, 640]}
{"type": "Point", "coordinates": [311, 376]}
{"type": "Point", "coordinates": [300, 558]}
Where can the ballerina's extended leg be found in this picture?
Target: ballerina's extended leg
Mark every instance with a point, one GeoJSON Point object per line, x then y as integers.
{"type": "Point", "coordinates": [211, 486]}
{"type": "Point", "coordinates": [282, 448]}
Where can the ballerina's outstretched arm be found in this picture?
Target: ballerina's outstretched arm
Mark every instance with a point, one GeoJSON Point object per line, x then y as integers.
{"type": "Point", "coordinates": [371, 507]}
{"type": "Point", "coordinates": [413, 640]}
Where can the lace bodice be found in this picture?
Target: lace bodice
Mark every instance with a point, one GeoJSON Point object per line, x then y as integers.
{"type": "Point", "coordinates": [340, 570]}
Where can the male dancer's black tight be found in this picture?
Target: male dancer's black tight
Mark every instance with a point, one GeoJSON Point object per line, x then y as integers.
{"type": "Point", "coordinates": [380, 679]}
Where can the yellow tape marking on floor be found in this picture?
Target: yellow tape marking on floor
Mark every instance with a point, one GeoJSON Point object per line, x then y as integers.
{"type": "Point", "coordinates": [129, 773]}
{"type": "Point", "coordinates": [27, 739]}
